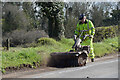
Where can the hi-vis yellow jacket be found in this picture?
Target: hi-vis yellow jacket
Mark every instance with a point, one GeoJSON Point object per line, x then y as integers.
{"type": "Point", "coordinates": [88, 26]}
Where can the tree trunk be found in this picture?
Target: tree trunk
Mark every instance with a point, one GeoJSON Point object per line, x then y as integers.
{"type": "Point", "coordinates": [50, 27]}
{"type": "Point", "coordinates": [59, 28]}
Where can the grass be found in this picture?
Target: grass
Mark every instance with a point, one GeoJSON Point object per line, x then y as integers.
{"type": "Point", "coordinates": [17, 56]}
{"type": "Point", "coordinates": [107, 46]}
{"type": "Point", "coordinates": [22, 56]}
{"type": "Point", "coordinates": [40, 52]}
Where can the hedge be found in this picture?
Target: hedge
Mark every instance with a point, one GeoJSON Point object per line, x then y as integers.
{"type": "Point", "coordinates": [102, 33]}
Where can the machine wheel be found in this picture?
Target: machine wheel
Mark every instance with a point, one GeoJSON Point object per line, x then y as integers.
{"type": "Point", "coordinates": [82, 60]}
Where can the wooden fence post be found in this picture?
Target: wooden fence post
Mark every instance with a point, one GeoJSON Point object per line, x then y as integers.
{"type": "Point", "coordinates": [7, 44]}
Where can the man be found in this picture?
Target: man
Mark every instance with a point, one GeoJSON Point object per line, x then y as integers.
{"type": "Point", "coordinates": [87, 25]}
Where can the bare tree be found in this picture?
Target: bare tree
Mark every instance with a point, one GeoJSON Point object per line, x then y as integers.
{"type": "Point", "coordinates": [14, 18]}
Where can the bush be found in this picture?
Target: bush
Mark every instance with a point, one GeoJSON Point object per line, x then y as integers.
{"type": "Point", "coordinates": [47, 41]}
{"type": "Point", "coordinates": [19, 37]}
{"type": "Point", "coordinates": [67, 41]}
{"type": "Point", "coordinates": [102, 33]}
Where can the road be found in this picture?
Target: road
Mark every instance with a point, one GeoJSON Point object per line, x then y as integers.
{"type": "Point", "coordinates": [99, 69]}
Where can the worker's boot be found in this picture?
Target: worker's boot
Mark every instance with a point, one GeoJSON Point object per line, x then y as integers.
{"type": "Point", "coordinates": [92, 60]}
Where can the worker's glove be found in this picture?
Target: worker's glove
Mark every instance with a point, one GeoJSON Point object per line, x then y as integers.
{"type": "Point", "coordinates": [75, 37]}
{"type": "Point", "coordinates": [91, 36]}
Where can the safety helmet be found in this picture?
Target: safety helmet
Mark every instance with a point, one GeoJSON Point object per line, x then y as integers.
{"type": "Point", "coordinates": [81, 16]}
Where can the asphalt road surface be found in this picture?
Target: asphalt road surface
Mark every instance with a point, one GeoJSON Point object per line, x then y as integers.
{"type": "Point", "coordinates": [99, 69]}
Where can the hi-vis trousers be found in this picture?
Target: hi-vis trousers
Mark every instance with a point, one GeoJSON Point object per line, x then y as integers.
{"type": "Point", "coordinates": [89, 42]}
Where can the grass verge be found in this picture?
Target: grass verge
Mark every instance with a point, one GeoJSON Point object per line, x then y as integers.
{"type": "Point", "coordinates": [40, 52]}
{"type": "Point", "coordinates": [107, 46]}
